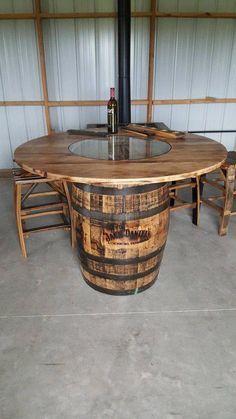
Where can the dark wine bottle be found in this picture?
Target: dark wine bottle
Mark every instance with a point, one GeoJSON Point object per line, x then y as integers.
{"type": "Point", "coordinates": [112, 112]}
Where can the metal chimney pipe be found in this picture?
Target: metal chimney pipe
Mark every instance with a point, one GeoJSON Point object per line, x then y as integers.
{"type": "Point", "coordinates": [124, 19]}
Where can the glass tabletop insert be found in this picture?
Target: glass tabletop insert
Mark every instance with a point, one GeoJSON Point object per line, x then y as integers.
{"type": "Point", "coordinates": [119, 147]}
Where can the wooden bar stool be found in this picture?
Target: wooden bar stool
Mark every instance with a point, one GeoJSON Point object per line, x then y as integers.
{"type": "Point", "coordinates": [25, 185]}
{"type": "Point", "coordinates": [224, 182]}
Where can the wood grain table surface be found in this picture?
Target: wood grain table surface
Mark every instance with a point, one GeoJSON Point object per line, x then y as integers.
{"type": "Point", "coordinates": [189, 156]}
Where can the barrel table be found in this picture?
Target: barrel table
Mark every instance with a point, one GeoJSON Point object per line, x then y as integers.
{"type": "Point", "coordinates": [120, 197]}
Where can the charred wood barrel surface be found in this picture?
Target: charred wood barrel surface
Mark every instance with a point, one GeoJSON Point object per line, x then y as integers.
{"type": "Point", "coordinates": [121, 234]}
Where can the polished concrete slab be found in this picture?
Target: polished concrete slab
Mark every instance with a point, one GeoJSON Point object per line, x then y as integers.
{"type": "Point", "coordinates": [67, 351]}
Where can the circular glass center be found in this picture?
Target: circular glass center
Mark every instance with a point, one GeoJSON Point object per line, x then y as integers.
{"type": "Point", "coordinates": [119, 148]}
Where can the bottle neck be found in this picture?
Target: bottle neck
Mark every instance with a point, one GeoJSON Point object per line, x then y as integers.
{"type": "Point", "coordinates": [112, 92]}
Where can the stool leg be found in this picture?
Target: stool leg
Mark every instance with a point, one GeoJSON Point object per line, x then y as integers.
{"type": "Point", "coordinates": [18, 219]}
{"type": "Point", "coordinates": [68, 197]}
{"type": "Point", "coordinates": [196, 198]}
{"type": "Point", "coordinates": [228, 201]}
{"type": "Point", "coordinates": [172, 199]}
{"type": "Point", "coordinates": [73, 229]}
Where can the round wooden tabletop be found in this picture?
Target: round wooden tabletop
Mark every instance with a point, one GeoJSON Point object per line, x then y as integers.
{"type": "Point", "coordinates": [188, 157]}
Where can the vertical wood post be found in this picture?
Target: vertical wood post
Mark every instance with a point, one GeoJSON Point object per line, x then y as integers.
{"type": "Point", "coordinates": [151, 59]}
{"type": "Point", "coordinates": [39, 30]}
{"type": "Point", "coordinates": [228, 201]}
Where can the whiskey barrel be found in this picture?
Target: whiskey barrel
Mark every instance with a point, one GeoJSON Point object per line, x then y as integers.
{"type": "Point", "coordinates": [121, 234]}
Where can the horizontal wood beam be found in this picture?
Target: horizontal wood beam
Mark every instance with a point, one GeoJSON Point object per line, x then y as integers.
{"type": "Point", "coordinates": [7, 16]}
{"type": "Point", "coordinates": [22, 103]}
{"type": "Point", "coordinates": [192, 101]}
{"type": "Point", "coordinates": [58, 103]}
{"type": "Point", "coordinates": [199, 15]}
{"type": "Point", "coordinates": [77, 15]}
{"type": "Point", "coordinates": [92, 15]}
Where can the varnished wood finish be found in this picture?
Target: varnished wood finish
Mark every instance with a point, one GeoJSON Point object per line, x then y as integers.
{"type": "Point", "coordinates": [189, 157]}
{"type": "Point", "coordinates": [151, 59]}
{"type": "Point", "coordinates": [24, 186]}
{"type": "Point", "coordinates": [225, 184]}
{"type": "Point", "coordinates": [42, 61]}
{"type": "Point", "coordinates": [92, 15]}
{"type": "Point", "coordinates": [121, 235]}
{"type": "Point", "coordinates": [192, 101]}
{"type": "Point", "coordinates": [65, 103]}
{"type": "Point", "coordinates": [120, 208]}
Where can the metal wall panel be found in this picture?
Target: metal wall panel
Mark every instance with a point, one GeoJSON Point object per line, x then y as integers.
{"type": "Point", "coordinates": [5, 145]}
{"type": "Point", "coordinates": [196, 58]}
{"type": "Point", "coordinates": [215, 116]}
{"type": "Point", "coordinates": [196, 6]}
{"type": "Point", "coordinates": [61, 6]}
{"type": "Point", "coordinates": [90, 5]}
{"type": "Point", "coordinates": [18, 124]}
{"type": "Point", "coordinates": [64, 118]}
{"type": "Point", "coordinates": [139, 57]}
{"type": "Point", "coordinates": [19, 80]}
{"type": "Point", "coordinates": [80, 58]}
{"type": "Point", "coordinates": [140, 5]}
{"type": "Point", "coordinates": [138, 113]}
{"type": "Point", "coordinates": [16, 6]}
{"type": "Point", "coordinates": [19, 65]}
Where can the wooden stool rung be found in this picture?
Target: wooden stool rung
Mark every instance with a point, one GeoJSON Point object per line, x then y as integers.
{"type": "Point", "coordinates": [180, 206]}
{"type": "Point", "coordinates": [182, 186]}
{"type": "Point", "coordinates": [41, 214]}
{"type": "Point", "coordinates": [215, 198]}
{"type": "Point", "coordinates": [46, 193]}
{"type": "Point", "coordinates": [46, 228]}
{"type": "Point", "coordinates": [28, 210]}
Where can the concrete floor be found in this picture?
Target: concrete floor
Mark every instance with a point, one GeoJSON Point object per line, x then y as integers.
{"type": "Point", "coordinates": [68, 351]}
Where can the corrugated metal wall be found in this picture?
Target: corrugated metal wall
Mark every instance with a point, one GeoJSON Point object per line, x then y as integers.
{"type": "Point", "coordinates": [194, 58]}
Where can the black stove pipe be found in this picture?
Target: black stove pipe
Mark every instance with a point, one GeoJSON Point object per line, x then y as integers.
{"type": "Point", "coordinates": [124, 19]}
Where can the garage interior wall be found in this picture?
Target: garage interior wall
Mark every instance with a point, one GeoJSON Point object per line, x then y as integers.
{"type": "Point", "coordinates": [194, 58]}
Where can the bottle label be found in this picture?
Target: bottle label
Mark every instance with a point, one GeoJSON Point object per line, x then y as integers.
{"type": "Point", "coordinates": [112, 123]}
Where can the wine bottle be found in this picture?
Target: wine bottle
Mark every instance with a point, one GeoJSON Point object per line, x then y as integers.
{"type": "Point", "coordinates": [112, 111]}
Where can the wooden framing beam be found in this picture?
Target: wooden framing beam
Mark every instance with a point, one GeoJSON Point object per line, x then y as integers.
{"type": "Point", "coordinates": [92, 15]}
{"type": "Point", "coordinates": [17, 16]}
{"type": "Point", "coordinates": [42, 61]}
{"type": "Point", "coordinates": [77, 15]}
{"type": "Point", "coordinates": [58, 103]}
{"type": "Point", "coordinates": [189, 101]}
{"type": "Point", "coordinates": [22, 103]}
{"type": "Point", "coordinates": [199, 15]}
{"type": "Point", "coordinates": [151, 59]}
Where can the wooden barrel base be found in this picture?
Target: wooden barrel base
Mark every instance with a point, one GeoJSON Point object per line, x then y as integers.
{"type": "Point", "coordinates": [120, 293]}
{"type": "Point", "coordinates": [121, 235]}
